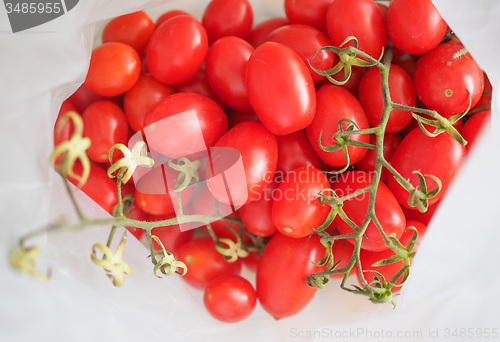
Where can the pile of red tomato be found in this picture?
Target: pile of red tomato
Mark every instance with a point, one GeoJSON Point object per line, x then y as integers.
{"type": "Point", "coordinates": [253, 90]}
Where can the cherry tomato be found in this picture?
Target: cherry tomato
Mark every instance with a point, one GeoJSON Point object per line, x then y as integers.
{"type": "Point", "coordinates": [204, 262]}
{"type": "Point", "coordinates": [167, 15]}
{"type": "Point", "coordinates": [114, 69]}
{"type": "Point", "coordinates": [133, 29]}
{"type": "Point", "coordinates": [296, 210]}
{"type": "Point", "coordinates": [142, 97]}
{"type": "Point", "coordinates": [252, 261]}
{"type": "Point", "coordinates": [209, 118]}
{"type": "Point", "coordinates": [441, 157]}
{"type": "Point", "coordinates": [312, 13]}
{"type": "Point", "coordinates": [106, 125]}
{"type": "Point", "coordinates": [257, 215]}
{"type": "Point", "coordinates": [226, 64]}
{"type": "Point", "coordinates": [239, 117]}
{"type": "Point", "coordinates": [444, 81]}
{"type": "Point", "coordinates": [227, 18]}
{"type": "Point", "coordinates": [230, 298]}
{"type": "Point", "coordinates": [260, 32]}
{"type": "Point", "coordinates": [83, 97]}
{"type": "Point", "coordinates": [280, 88]}
{"type": "Point", "coordinates": [486, 97]}
{"type": "Point", "coordinates": [177, 49]}
{"type": "Point", "coordinates": [285, 264]}
{"type": "Point", "coordinates": [334, 103]}
{"type": "Point", "coordinates": [259, 154]}
{"type": "Point", "coordinates": [401, 90]}
{"type": "Point", "coordinates": [294, 151]}
{"type": "Point", "coordinates": [362, 19]}
{"type": "Point", "coordinates": [474, 125]}
{"type": "Point", "coordinates": [415, 26]}
{"type": "Point", "coordinates": [306, 41]}
{"type": "Point", "coordinates": [391, 142]}
{"type": "Point", "coordinates": [387, 210]}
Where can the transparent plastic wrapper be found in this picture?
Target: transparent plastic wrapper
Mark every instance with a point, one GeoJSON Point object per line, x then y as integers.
{"type": "Point", "coordinates": [454, 276]}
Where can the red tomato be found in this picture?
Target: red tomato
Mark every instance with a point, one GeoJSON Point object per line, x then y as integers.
{"type": "Point", "coordinates": [142, 97]}
{"type": "Point", "coordinates": [296, 210]}
{"type": "Point", "coordinates": [260, 32]}
{"type": "Point", "coordinates": [415, 26]}
{"type": "Point", "coordinates": [167, 15]}
{"type": "Point", "coordinates": [114, 69]}
{"type": "Point", "coordinates": [402, 92]}
{"type": "Point", "coordinates": [486, 97]}
{"type": "Point", "coordinates": [294, 151]}
{"type": "Point", "coordinates": [307, 12]}
{"type": "Point", "coordinates": [133, 29]}
{"type": "Point", "coordinates": [204, 262]}
{"type": "Point", "coordinates": [210, 119]}
{"type": "Point", "coordinates": [230, 298]}
{"type": "Point", "coordinates": [474, 125]}
{"type": "Point", "coordinates": [334, 103]}
{"type": "Point", "coordinates": [280, 88]}
{"type": "Point", "coordinates": [441, 157]}
{"type": "Point", "coordinates": [226, 64]}
{"type": "Point", "coordinates": [368, 258]}
{"type": "Point", "coordinates": [252, 261]}
{"type": "Point", "coordinates": [239, 117]}
{"type": "Point", "coordinates": [443, 83]}
{"type": "Point", "coordinates": [227, 18]}
{"type": "Point", "coordinates": [362, 19]}
{"type": "Point", "coordinates": [257, 215]}
{"type": "Point", "coordinates": [99, 186]}
{"type": "Point", "coordinates": [391, 142]}
{"type": "Point", "coordinates": [284, 266]}
{"type": "Point", "coordinates": [171, 237]}
{"type": "Point", "coordinates": [259, 154]}
{"type": "Point", "coordinates": [306, 41]}
{"type": "Point", "coordinates": [177, 50]}
{"type": "Point", "coordinates": [105, 124]}
{"type": "Point", "coordinates": [387, 210]}
{"type": "Point", "coordinates": [83, 97]}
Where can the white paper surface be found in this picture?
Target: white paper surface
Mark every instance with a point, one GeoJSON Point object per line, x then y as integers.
{"type": "Point", "coordinates": [453, 278]}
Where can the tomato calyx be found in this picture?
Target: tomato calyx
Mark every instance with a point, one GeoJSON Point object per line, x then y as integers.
{"type": "Point", "coordinates": [167, 265]}
{"type": "Point", "coordinates": [188, 172]}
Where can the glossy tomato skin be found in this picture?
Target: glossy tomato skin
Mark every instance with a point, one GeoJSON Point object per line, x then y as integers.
{"type": "Point", "coordinates": [280, 88]}
{"type": "Point", "coordinates": [441, 157]}
{"type": "Point", "coordinates": [167, 15]}
{"type": "Point", "coordinates": [415, 26]}
{"type": "Point", "coordinates": [391, 142]}
{"type": "Point", "coordinates": [133, 29]}
{"type": "Point", "coordinates": [474, 125]}
{"type": "Point", "coordinates": [226, 65]}
{"type": "Point", "coordinates": [106, 125]}
{"type": "Point", "coordinates": [114, 69]}
{"type": "Point", "coordinates": [402, 92]}
{"type": "Point", "coordinates": [211, 120]}
{"type": "Point", "coordinates": [227, 18]}
{"type": "Point", "coordinates": [387, 210]}
{"type": "Point", "coordinates": [142, 97]}
{"type": "Point", "coordinates": [360, 18]}
{"type": "Point", "coordinates": [261, 31]}
{"type": "Point", "coordinates": [334, 103]}
{"type": "Point", "coordinates": [177, 49]}
{"type": "Point", "coordinates": [230, 298]}
{"type": "Point", "coordinates": [306, 12]}
{"type": "Point", "coordinates": [443, 83]}
{"type": "Point", "coordinates": [204, 262]}
{"type": "Point", "coordinates": [294, 151]}
{"type": "Point", "coordinates": [259, 154]}
{"type": "Point", "coordinates": [282, 271]}
{"type": "Point", "coordinates": [306, 41]}
{"type": "Point", "coordinates": [296, 210]}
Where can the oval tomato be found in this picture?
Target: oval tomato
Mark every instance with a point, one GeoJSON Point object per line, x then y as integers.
{"type": "Point", "coordinates": [282, 271]}
{"type": "Point", "coordinates": [443, 81]}
{"type": "Point", "coordinates": [226, 64]}
{"type": "Point", "coordinates": [167, 15]}
{"type": "Point", "coordinates": [204, 262]}
{"type": "Point", "coordinates": [307, 12]}
{"type": "Point", "coordinates": [259, 154]}
{"type": "Point", "coordinates": [294, 151]}
{"type": "Point", "coordinates": [280, 88]}
{"type": "Point", "coordinates": [261, 31]}
{"type": "Point", "coordinates": [227, 18]}
{"type": "Point", "coordinates": [441, 157]}
{"type": "Point", "coordinates": [133, 29]}
{"type": "Point", "coordinates": [177, 49]}
{"type": "Point", "coordinates": [230, 298]}
{"type": "Point", "coordinates": [362, 19]}
{"type": "Point", "coordinates": [114, 69]}
{"type": "Point", "coordinates": [334, 103]}
{"type": "Point", "coordinates": [296, 210]}
{"type": "Point", "coordinates": [387, 210]}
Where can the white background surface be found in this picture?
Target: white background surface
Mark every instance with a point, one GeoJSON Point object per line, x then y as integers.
{"type": "Point", "coordinates": [454, 279]}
